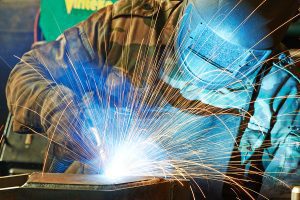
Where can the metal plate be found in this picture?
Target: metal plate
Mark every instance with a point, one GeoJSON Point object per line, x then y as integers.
{"type": "Point", "coordinates": [74, 186]}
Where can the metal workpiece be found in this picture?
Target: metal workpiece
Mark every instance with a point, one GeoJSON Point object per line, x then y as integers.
{"type": "Point", "coordinates": [78, 186]}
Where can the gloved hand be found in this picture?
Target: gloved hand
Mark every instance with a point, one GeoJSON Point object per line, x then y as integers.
{"type": "Point", "coordinates": [73, 138]}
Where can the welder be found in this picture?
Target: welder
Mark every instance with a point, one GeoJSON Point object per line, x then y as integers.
{"type": "Point", "coordinates": [228, 56]}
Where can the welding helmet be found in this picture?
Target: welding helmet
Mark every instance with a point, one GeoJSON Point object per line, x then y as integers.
{"type": "Point", "coordinates": [222, 42]}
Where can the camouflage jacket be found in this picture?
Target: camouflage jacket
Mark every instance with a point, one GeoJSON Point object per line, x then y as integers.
{"type": "Point", "coordinates": [107, 38]}
{"type": "Point", "coordinates": [136, 33]}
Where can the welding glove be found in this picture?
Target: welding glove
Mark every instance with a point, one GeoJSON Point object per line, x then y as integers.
{"type": "Point", "coordinates": [71, 136]}
{"type": "Point", "coordinates": [80, 125]}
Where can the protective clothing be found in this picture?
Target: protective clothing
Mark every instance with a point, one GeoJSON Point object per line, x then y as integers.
{"type": "Point", "coordinates": [138, 38]}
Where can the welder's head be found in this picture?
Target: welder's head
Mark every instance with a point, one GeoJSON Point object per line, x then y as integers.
{"type": "Point", "coordinates": [222, 42]}
{"type": "Point", "coordinates": [247, 22]}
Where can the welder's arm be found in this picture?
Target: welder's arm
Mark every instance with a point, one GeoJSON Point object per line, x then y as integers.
{"type": "Point", "coordinates": [32, 94]}
{"type": "Point", "coordinates": [46, 83]}
{"type": "Point", "coordinates": [284, 152]}
{"type": "Point", "coordinates": [282, 157]}
{"type": "Point", "coordinates": [278, 138]}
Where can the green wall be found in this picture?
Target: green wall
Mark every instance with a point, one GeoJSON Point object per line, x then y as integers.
{"type": "Point", "coordinates": [59, 15]}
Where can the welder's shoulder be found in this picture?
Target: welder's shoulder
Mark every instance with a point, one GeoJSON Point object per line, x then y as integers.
{"type": "Point", "coordinates": [124, 8]}
{"type": "Point", "coordinates": [142, 8]}
{"type": "Point", "coordinates": [134, 8]}
{"type": "Point", "coordinates": [82, 40]}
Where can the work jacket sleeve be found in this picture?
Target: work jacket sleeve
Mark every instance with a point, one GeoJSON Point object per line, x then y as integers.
{"type": "Point", "coordinates": [274, 128]}
{"type": "Point", "coordinates": [51, 78]}
{"type": "Point", "coordinates": [281, 154]}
